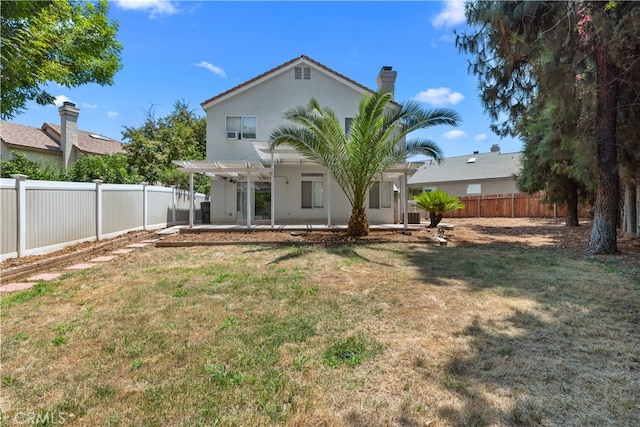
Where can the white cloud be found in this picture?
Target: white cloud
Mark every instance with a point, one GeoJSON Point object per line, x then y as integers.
{"type": "Point", "coordinates": [213, 68]}
{"type": "Point", "coordinates": [454, 134]}
{"type": "Point", "coordinates": [61, 99]}
{"type": "Point", "coordinates": [439, 96]}
{"type": "Point", "coordinates": [90, 106]}
{"type": "Point", "coordinates": [112, 114]}
{"type": "Point", "coordinates": [155, 7]}
{"type": "Point", "coordinates": [480, 137]}
{"type": "Point", "coordinates": [452, 14]}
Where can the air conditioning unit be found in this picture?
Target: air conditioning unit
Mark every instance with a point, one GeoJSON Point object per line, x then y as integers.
{"type": "Point", "coordinates": [232, 135]}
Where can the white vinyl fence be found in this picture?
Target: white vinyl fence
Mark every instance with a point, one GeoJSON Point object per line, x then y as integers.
{"type": "Point", "coordinates": [38, 217]}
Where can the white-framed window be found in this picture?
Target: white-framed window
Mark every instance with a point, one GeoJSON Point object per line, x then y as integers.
{"type": "Point", "coordinates": [474, 189]}
{"type": "Point", "coordinates": [312, 191]}
{"type": "Point", "coordinates": [380, 195]}
{"type": "Point", "coordinates": [302, 73]}
{"type": "Point", "coordinates": [241, 127]}
{"type": "Point", "coordinates": [348, 121]}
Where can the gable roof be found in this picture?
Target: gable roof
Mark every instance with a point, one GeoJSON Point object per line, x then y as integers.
{"type": "Point", "coordinates": [47, 138]}
{"type": "Point", "coordinates": [462, 168]}
{"type": "Point", "coordinates": [302, 59]}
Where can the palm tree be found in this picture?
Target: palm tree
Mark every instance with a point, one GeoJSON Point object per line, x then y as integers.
{"type": "Point", "coordinates": [437, 203]}
{"type": "Point", "coordinates": [372, 146]}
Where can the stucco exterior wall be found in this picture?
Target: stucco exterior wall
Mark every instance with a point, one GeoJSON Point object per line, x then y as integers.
{"type": "Point", "coordinates": [287, 197]}
{"type": "Point", "coordinates": [267, 102]}
{"type": "Point", "coordinates": [36, 156]}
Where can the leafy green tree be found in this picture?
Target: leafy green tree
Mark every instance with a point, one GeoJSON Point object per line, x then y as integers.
{"type": "Point", "coordinates": [20, 164]}
{"type": "Point", "coordinates": [437, 203]}
{"type": "Point", "coordinates": [153, 146]}
{"type": "Point", "coordinates": [62, 41]}
{"type": "Point", "coordinates": [373, 145]}
{"type": "Point", "coordinates": [110, 168]}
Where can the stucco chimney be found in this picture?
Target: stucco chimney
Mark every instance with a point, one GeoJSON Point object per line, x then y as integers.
{"type": "Point", "coordinates": [495, 148]}
{"type": "Point", "coordinates": [387, 79]}
{"type": "Point", "coordinates": [68, 131]}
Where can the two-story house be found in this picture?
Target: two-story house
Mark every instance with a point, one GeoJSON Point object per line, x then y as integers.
{"type": "Point", "coordinates": [250, 183]}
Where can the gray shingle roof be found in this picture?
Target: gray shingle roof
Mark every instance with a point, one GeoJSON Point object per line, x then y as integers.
{"type": "Point", "coordinates": [48, 138]}
{"type": "Point", "coordinates": [486, 166]}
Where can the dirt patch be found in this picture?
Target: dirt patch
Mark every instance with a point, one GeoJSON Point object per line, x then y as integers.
{"type": "Point", "coordinates": [551, 234]}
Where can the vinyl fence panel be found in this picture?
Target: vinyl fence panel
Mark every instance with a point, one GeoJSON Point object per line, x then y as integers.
{"type": "Point", "coordinates": [42, 216]}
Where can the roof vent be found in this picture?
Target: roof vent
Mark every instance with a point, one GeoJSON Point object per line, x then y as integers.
{"type": "Point", "coordinates": [472, 159]}
{"type": "Point", "coordinates": [98, 136]}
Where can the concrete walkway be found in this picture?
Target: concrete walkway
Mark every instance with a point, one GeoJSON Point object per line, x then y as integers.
{"type": "Point", "coordinates": [46, 277]}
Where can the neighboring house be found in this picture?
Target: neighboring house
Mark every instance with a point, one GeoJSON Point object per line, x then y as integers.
{"type": "Point", "coordinates": [59, 144]}
{"type": "Point", "coordinates": [284, 187]}
{"type": "Point", "coordinates": [474, 174]}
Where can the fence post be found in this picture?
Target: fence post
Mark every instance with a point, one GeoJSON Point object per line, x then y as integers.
{"type": "Point", "coordinates": [98, 208]}
{"type": "Point", "coordinates": [513, 205]}
{"type": "Point", "coordinates": [173, 207]}
{"type": "Point", "coordinates": [479, 197]}
{"type": "Point", "coordinates": [21, 201]}
{"type": "Point", "coordinates": [144, 206]}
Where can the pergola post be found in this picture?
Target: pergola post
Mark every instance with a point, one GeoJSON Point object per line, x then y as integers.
{"type": "Point", "coordinates": [248, 199]}
{"type": "Point", "coordinates": [191, 200]}
{"type": "Point", "coordinates": [273, 192]}
{"type": "Point", "coordinates": [405, 202]}
{"type": "Point", "coordinates": [328, 200]}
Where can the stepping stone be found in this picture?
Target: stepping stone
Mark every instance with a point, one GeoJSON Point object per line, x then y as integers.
{"type": "Point", "coordinates": [102, 259]}
{"type": "Point", "coordinates": [121, 251]}
{"type": "Point", "coordinates": [149, 241]}
{"type": "Point", "coordinates": [138, 245]}
{"type": "Point", "coordinates": [45, 276]}
{"type": "Point", "coordinates": [80, 266]}
{"type": "Point", "coordinates": [13, 287]}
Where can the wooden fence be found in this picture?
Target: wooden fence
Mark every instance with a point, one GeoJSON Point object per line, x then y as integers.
{"type": "Point", "coordinates": [515, 205]}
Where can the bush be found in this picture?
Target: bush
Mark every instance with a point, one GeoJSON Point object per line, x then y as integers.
{"type": "Point", "coordinates": [437, 203]}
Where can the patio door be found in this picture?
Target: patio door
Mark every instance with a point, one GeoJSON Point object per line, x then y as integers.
{"type": "Point", "coordinates": [260, 201]}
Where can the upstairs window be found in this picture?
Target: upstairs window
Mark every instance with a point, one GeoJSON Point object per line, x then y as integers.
{"type": "Point", "coordinates": [347, 126]}
{"type": "Point", "coordinates": [380, 195]}
{"type": "Point", "coordinates": [241, 127]}
{"type": "Point", "coordinates": [302, 73]}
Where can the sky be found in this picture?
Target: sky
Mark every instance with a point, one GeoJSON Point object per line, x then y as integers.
{"type": "Point", "coordinates": [193, 50]}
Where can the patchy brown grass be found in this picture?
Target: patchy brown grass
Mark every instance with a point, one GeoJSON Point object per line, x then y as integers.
{"type": "Point", "coordinates": [496, 331]}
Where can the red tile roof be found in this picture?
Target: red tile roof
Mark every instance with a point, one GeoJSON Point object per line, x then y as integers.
{"type": "Point", "coordinates": [48, 138]}
{"type": "Point", "coordinates": [279, 67]}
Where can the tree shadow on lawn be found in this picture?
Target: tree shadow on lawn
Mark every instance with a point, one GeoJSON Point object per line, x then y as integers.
{"type": "Point", "coordinates": [570, 358]}
{"type": "Point", "coordinates": [348, 252]}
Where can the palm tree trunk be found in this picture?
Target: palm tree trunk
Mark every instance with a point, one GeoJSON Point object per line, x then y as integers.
{"type": "Point", "coordinates": [358, 222]}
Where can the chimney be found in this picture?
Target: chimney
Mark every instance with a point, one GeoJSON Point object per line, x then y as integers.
{"type": "Point", "coordinates": [68, 131]}
{"type": "Point", "coordinates": [387, 79]}
{"type": "Point", "coordinates": [495, 148]}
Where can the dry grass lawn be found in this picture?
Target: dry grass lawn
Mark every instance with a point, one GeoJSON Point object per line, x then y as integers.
{"type": "Point", "coordinates": [396, 334]}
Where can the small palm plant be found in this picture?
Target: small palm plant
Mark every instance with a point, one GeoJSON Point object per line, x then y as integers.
{"type": "Point", "coordinates": [437, 203]}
